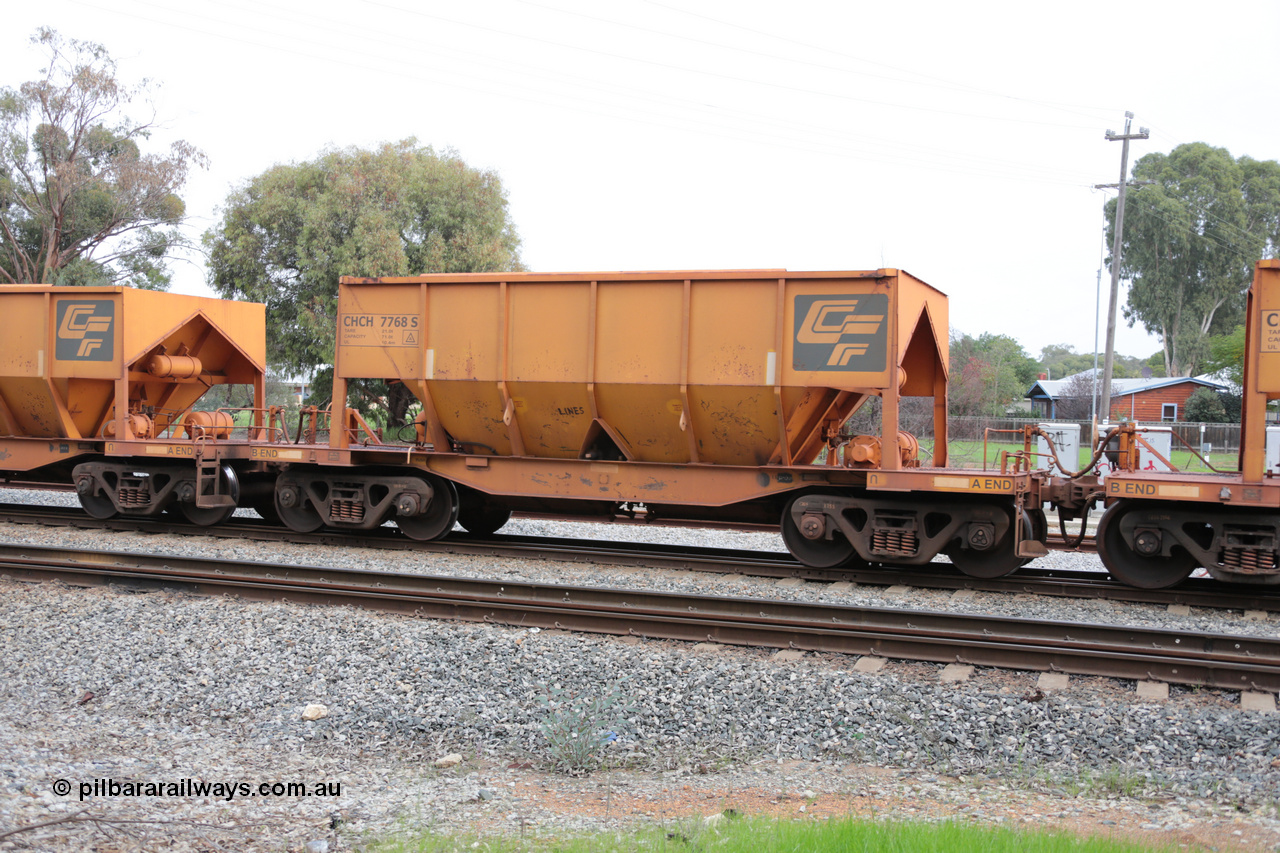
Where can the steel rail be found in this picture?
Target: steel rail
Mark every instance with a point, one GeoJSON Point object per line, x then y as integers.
{"type": "Point", "coordinates": [1223, 661]}
{"type": "Point", "coordinates": [1054, 540]}
{"type": "Point", "coordinates": [1196, 592]}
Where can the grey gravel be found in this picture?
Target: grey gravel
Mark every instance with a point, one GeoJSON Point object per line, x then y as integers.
{"type": "Point", "coordinates": [108, 684]}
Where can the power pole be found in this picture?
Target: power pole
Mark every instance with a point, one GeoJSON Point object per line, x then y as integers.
{"type": "Point", "coordinates": [1097, 301]}
{"type": "Point", "coordinates": [1104, 398]}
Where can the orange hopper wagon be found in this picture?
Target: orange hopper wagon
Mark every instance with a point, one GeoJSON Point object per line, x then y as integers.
{"type": "Point", "coordinates": [705, 396]}
{"type": "Point", "coordinates": [98, 385]}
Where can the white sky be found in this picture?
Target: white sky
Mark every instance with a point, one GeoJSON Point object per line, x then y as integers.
{"type": "Point", "coordinates": [960, 142]}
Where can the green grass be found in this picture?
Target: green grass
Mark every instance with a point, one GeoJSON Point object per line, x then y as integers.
{"type": "Point", "coordinates": [762, 835]}
{"type": "Point", "coordinates": [1185, 461]}
{"type": "Point", "coordinates": [968, 454]}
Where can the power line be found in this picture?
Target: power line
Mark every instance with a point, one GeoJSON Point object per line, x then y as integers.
{"type": "Point", "coordinates": [944, 84]}
{"type": "Point", "coordinates": [939, 81]}
{"type": "Point", "coordinates": [702, 72]}
{"type": "Point", "coordinates": [723, 123]}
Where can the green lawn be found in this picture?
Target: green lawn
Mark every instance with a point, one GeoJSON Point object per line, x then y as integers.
{"type": "Point", "coordinates": [763, 835]}
{"type": "Point", "coordinates": [968, 454]}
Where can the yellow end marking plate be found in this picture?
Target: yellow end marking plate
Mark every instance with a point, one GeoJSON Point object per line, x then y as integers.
{"type": "Point", "coordinates": [1151, 490]}
{"type": "Point", "coordinates": [273, 453]}
{"type": "Point", "coordinates": [973, 484]}
{"type": "Point", "coordinates": [942, 482]}
{"type": "Point", "coordinates": [170, 450]}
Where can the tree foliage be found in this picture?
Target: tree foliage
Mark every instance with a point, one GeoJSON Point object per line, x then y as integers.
{"type": "Point", "coordinates": [1191, 237]}
{"type": "Point", "coordinates": [1226, 356]}
{"type": "Point", "coordinates": [1154, 363]}
{"type": "Point", "coordinates": [288, 234]}
{"type": "Point", "coordinates": [1205, 406]}
{"type": "Point", "coordinates": [987, 374]}
{"type": "Point", "coordinates": [1062, 360]}
{"type": "Point", "coordinates": [80, 202]}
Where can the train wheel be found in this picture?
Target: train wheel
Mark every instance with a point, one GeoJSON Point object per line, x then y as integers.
{"type": "Point", "coordinates": [994, 562]}
{"type": "Point", "coordinates": [98, 506]}
{"type": "Point", "coordinates": [482, 519]}
{"type": "Point", "coordinates": [816, 553]}
{"type": "Point", "coordinates": [1127, 565]}
{"type": "Point", "coordinates": [440, 516]}
{"type": "Point", "coordinates": [209, 516]}
{"type": "Point", "coordinates": [299, 515]}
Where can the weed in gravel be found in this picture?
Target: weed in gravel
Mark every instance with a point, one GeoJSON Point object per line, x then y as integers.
{"type": "Point", "coordinates": [579, 728]}
{"type": "Point", "coordinates": [1114, 780]}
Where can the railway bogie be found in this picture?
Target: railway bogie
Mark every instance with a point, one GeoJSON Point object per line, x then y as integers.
{"type": "Point", "coordinates": [1153, 544]}
{"type": "Point", "coordinates": [421, 504]}
{"type": "Point", "coordinates": [204, 496]}
{"type": "Point", "coordinates": [829, 529]}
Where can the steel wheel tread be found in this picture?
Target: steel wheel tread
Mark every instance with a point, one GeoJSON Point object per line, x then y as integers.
{"type": "Point", "coordinates": [440, 516]}
{"type": "Point", "coordinates": [816, 553]}
{"type": "Point", "coordinates": [302, 518]}
{"type": "Point", "coordinates": [98, 506]}
{"type": "Point", "coordinates": [1128, 566]}
{"type": "Point", "coordinates": [995, 562]}
{"type": "Point", "coordinates": [210, 516]}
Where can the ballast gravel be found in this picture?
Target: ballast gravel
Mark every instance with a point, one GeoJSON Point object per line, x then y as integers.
{"type": "Point", "coordinates": [104, 686]}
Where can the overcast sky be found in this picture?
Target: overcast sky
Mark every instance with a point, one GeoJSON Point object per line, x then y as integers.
{"type": "Point", "coordinates": [960, 142]}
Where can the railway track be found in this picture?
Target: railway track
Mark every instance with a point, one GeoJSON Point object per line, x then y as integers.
{"type": "Point", "coordinates": [1196, 592]}
{"type": "Point", "coordinates": [1212, 660]}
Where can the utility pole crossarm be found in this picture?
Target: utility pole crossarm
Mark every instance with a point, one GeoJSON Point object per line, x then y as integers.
{"type": "Point", "coordinates": [1105, 397]}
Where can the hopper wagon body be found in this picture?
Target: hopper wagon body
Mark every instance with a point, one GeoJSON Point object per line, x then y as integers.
{"type": "Point", "coordinates": [704, 396]}
{"type": "Point", "coordinates": [98, 386]}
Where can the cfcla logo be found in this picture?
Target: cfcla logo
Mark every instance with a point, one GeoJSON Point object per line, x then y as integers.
{"type": "Point", "coordinates": [828, 319]}
{"type": "Point", "coordinates": [825, 324]}
{"type": "Point", "coordinates": [84, 330]}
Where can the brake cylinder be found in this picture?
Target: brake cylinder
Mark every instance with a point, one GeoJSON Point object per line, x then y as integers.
{"type": "Point", "coordinates": [208, 425]}
{"type": "Point", "coordinates": [174, 366]}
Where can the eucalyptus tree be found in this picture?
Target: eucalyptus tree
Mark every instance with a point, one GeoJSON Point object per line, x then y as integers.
{"type": "Point", "coordinates": [1192, 233]}
{"type": "Point", "coordinates": [286, 236]}
{"type": "Point", "coordinates": [81, 202]}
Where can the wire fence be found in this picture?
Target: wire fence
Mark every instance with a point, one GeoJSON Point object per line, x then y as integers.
{"type": "Point", "coordinates": [1221, 437]}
